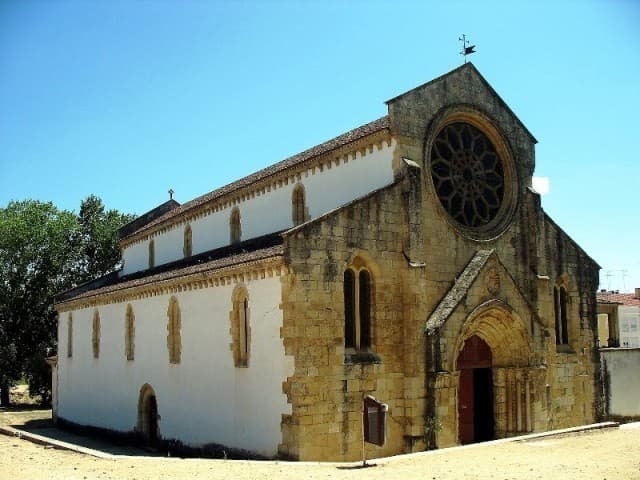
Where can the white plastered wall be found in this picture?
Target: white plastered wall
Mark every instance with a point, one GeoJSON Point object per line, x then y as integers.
{"type": "Point", "coordinates": [622, 381]}
{"type": "Point", "coordinates": [205, 398]}
{"type": "Point", "coordinates": [271, 212]}
{"type": "Point", "coordinates": [629, 319]}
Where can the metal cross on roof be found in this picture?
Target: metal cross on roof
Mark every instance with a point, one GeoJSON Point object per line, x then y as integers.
{"type": "Point", "coordinates": [466, 48]}
{"type": "Point", "coordinates": [171, 194]}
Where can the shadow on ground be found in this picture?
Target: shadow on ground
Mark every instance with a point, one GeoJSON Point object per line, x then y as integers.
{"type": "Point", "coordinates": [31, 419]}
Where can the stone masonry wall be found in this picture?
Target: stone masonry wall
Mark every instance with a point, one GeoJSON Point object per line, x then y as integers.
{"type": "Point", "coordinates": [532, 248]}
{"type": "Point", "coordinates": [415, 253]}
{"type": "Point", "coordinates": [325, 392]}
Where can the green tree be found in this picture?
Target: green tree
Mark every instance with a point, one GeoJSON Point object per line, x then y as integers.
{"type": "Point", "coordinates": [98, 251]}
{"type": "Point", "coordinates": [36, 262]}
{"type": "Point", "coordinates": [45, 251]}
{"type": "Point", "coordinates": [8, 365]}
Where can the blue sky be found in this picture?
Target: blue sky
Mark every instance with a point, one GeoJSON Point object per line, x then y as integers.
{"type": "Point", "coordinates": [128, 99]}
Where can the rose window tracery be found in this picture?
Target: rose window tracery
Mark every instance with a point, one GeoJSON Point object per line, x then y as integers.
{"type": "Point", "coordinates": [468, 174]}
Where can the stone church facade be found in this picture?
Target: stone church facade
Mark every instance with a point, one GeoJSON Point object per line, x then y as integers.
{"type": "Point", "coordinates": [408, 259]}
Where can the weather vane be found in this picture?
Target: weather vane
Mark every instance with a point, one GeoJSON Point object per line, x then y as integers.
{"type": "Point", "coordinates": [466, 48]}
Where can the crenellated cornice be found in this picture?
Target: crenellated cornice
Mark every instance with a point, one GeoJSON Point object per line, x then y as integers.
{"type": "Point", "coordinates": [356, 150]}
{"type": "Point", "coordinates": [245, 273]}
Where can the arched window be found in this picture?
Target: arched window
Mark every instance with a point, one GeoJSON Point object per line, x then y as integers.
{"type": "Point", "coordinates": [234, 226]}
{"type": "Point", "coordinates": [298, 205]}
{"type": "Point", "coordinates": [152, 254]}
{"type": "Point", "coordinates": [69, 335]}
{"type": "Point", "coordinates": [364, 297]}
{"type": "Point", "coordinates": [188, 243]}
{"type": "Point", "coordinates": [240, 327]}
{"type": "Point", "coordinates": [95, 334]}
{"type": "Point", "coordinates": [560, 300]}
{"type": "Point", "coordinates": [349, 309]}
{"type": "Point", "coordinates": [174, 326]}
{"type": "Point", "coordinates": [129, 333]}
{"type": "Point", "coordinates": [357, 289]}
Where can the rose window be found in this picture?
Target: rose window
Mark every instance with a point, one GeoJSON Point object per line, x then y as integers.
{"type": "Point", "coordinates": [468, 174]}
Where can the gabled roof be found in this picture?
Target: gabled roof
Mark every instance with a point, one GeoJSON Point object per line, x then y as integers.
{"type": "Point", "coordinates": [458, 291]}
{"type": "Point", "coordinates": [338, 209]}
{"type": "Point", "coordinates": [474, 71]}
{"type": "Point", "coordinates": [571, 240]}
{"type": "Point", "coordinates": [463, 283]}
{"type": "Point", "coordinates": [625, 299]}
{"type": "Point", "coordinates": [256, 249]}
{"type": "Point", "coordinates": [337, 142]}
{"type": "Point", "coordinates": [147, 218]}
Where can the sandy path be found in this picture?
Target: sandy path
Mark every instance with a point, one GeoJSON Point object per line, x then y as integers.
{"type": "Point", "coordinates": [603, 454]}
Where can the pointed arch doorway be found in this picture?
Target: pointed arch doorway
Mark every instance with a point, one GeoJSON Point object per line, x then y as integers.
{"type": "Point", "coordinates": [475, 392]}
{"type": "Point", "coordinates": [148, 414]}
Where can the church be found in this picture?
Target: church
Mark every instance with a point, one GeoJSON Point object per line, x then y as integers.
{"type": "Point", "coordinates": [408, 259]}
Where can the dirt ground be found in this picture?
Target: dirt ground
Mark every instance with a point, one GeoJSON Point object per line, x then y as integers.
{"type": "Point", "coordinates": [599, 454]}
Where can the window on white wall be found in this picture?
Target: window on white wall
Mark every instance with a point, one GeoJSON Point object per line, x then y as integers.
{"type": "Point", "coordinates": [240, 327]}
{"type": "Point", "coordinates": [69, 335]}
{"type": "Point", "coordinates": [129, 333]}
{"type": "Point", "coordinates": [174, 326]}
{"type": "Point", "coordinates": [298, 205]}
{"type": "Point", "coordinates": [95, 334]}
{"type": "Point", "coordinates": [234, 226]}
{"type": "Point", "coordinates": [188, 242]}
{"type": "Point", "coordinates": [152, 254]}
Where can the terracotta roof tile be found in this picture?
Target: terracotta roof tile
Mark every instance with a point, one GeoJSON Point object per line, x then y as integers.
{"type": "Point", "coordinates": [627, 299]}
{"type": "Point", "coordinates": [339, 141]}
{"type": "Point", "coordinates": [261, 248]}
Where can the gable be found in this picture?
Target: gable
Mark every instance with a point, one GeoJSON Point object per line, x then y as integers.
{"type": "Point", "coordinates": [483, 279]}
{"type": "Point", "coordinates": [463, 85]}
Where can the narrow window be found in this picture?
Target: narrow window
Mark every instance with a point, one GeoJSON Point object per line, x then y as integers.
{"type": "Point", "coordinates": [95, 335]}
{"type": "Point", "coordinates": [129, 333]}
{"type": "Point", "coordinates": [240, 327]}
{"type": "Point", "coordinates": [349, 309]}
{"type": "Point", "coordinates": [357, 289]}
{"type": "Point", "coordinates": [556, 312]}
{"type": "Point", "coordinates": [365, 309]}
{"type": "Point", "coordinates": [152, 254]}
{"type": "Point", "coordinates": [174, 341]}
{"type": "Point", "coordinates": [69, 335]}
{"type": "Point", "coordinates": [234, 226]}
{"type": "Point", "coordinates": [298, 206]}
{"type": "Point", "coordinates": [563, 315]}
{"type": "Point", "coordinates": [560, 310]}
{"type": "Point", "coordinates": [244, 328]}
{"type": "Point", "coordinates": [187, 244]}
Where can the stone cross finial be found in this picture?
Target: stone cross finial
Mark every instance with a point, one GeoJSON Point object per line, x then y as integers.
{"type": "Point", "coordinates": [171, 194]}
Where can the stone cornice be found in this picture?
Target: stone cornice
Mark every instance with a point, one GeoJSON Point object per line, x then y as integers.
{"type": "Point", "coordinates": [245, 272]}
{"type": "Point", "coordinates": [334, 158]}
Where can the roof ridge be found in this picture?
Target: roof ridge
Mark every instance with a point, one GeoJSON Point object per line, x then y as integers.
{"type": "Point", "coordinates": [289, 162]}
{"type": "Point", "coordinates": [215, 264]}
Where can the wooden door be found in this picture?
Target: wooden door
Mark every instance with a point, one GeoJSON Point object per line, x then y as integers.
{"type": "Point", "coordinates": [465, 407]}
{"type": "Point", "coordinates": [475, 392]}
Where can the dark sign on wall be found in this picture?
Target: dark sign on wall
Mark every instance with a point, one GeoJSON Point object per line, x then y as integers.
{"type": "Point", "coordinates": [374, 418]}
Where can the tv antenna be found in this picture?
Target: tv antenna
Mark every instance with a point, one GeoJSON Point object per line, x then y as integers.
{"type": "Point", "coordinates": [609, 274]}
{"type": "Point", "coordinates": [624, 274]}
{"type": "Point", "coordinates": [466, 48]}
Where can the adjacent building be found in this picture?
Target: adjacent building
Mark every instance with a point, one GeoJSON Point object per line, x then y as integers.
{"type": "Point", "coordinates": [619, 318]}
